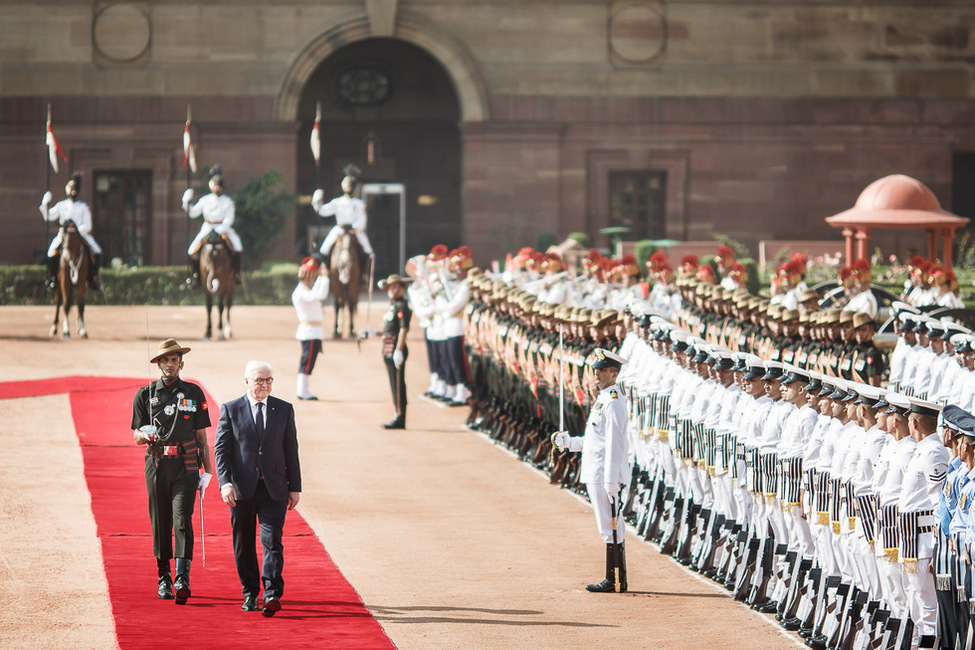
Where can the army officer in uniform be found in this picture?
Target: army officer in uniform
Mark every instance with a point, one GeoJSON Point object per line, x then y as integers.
{"type": "Point", "coordinates": [170, 417]}
{"type": "Point", "coordinates": [605, 467]}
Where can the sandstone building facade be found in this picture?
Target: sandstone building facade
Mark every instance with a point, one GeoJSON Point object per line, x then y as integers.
{"type": "Point", "coordinates": [501, 119]}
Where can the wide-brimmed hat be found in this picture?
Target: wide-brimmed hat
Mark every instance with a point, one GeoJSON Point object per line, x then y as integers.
{"type": "Point", "coordinates": [169, 346]}
{"type": "Point", "coordinates": [392, 279]}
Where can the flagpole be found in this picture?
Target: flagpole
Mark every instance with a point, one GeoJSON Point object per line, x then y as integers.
{"type": "Point", "coordinates": [189, 118]}
{"type": "Point", "coordinates": [318, 158]}
{"type": "Point", "coordinates": [47, 165]}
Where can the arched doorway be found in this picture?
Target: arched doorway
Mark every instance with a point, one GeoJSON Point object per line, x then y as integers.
{"type": "Point", "coordinates": [391, 109]}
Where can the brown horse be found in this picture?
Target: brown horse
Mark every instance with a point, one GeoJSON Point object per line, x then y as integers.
{"type": "Point", "coordinates": [72, 284]}
{"type": "Point", "coordinates": [345, 277]}
{"type": "Point", "coordinates": [217, 277]}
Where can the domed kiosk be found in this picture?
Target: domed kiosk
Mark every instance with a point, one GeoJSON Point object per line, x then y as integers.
{"type": "Point", "coordinates": [897, 201]}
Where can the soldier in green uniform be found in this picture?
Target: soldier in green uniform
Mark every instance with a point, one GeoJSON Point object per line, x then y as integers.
{"type": "Point", "coordinates": [170, 417]}
{"type": "Point", "coordinates": [396, 325]}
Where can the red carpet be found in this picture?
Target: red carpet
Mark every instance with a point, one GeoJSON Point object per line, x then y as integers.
{"type": "Point", "coordinates": [321, 609]}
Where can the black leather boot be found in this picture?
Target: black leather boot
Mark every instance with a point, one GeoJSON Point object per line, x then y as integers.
{"type": "Point", "coordinates": [193, 278]}
{"type": "Point", "coordinates": [93, 278]}
{"type": "Point", "coordinates": [165, 587]}
{"type": "Point", "coordinates": [399, 422]}
{"type": "Point", "coordinates": [236, 263]}
{"type": "Point", "coordinates": [52, 272]}
{"type": "Point", "coordinates": [182, 585]}
{"type": "Point", "coordinates": [607, 585]}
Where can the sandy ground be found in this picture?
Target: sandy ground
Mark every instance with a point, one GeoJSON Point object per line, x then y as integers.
{"type": "Point", "coordinates": [450, 540]}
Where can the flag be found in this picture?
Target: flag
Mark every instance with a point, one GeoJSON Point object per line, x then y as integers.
{"type": "Point", "coordinates": [316, 140]}
{"type": "Point", "coordinates": [189, 151]}
{"type": "Point", "coordinates": [53, 148]}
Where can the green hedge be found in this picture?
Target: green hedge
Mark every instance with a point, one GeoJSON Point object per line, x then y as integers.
{"type": "Point", "coordinates": [149, 285]}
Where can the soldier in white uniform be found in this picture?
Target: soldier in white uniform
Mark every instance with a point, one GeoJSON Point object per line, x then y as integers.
{"type": "Point", "coordinates": [307, 298]}
{"type": "Point", "coordinates": [348, 210]}
{"type": "Point", "coordinates": [605, 466]}
{"type": "Point", "coordinates": [218, 212]}
{"type": "Point", "coordinates": [920, 494]}
{"type": "Point", "coordinates": [70, 209]}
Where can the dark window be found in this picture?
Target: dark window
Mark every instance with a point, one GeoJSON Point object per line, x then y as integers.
{"type": "Point", "coordinates": [122, 215]}
{"type": "Point", "coordinates": [636, 201]}
{"type": "Point", "coordinates": [963, 184]}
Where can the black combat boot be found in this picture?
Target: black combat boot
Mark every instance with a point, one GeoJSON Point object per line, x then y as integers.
{"type": "Point", "coordinates": [182, 585]}
{"type": "Point", "coordinates": [236, 263]}
{"type": "Point", "coordinates": [399, 422]}
{"type": "Point", "coordinates": [52, 272]}
{"type": "Point", "coordinates": [165, 589]}
{"type": "Point", "coordinates": [93, 278]}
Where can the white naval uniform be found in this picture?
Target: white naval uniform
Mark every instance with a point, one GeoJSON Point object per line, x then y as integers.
{"type": "Point", "coordinates": [76, 211]}
{"type": "Point", "coordinates": [218, 215]}
{"type": "Point", "coordinates": [348, 211]}
{"type": "Point", "coordinates": [605, 457]}
{"type": "Point", "coordinates": [923, 481]}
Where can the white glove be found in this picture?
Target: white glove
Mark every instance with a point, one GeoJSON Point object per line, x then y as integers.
{"type": "Point", "coordinates": [148, 432]}
{"type": "Point", "coordinates": [187, 197]}
{"type": "Point", "coordinates": [612, 489]}
{"type": "Point", "coordinates": [47, 198]}
{"type": "Point", "coordinates": [561, 440]}
{"type": "Point", "coordinates": [204, 480]}
{"type": "Point", "coordinates": [317, 198]}
{"type": "Point", "coordinates": [398, 358]}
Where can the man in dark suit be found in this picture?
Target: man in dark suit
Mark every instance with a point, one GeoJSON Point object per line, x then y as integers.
{"type": "Point", "coordinates": [256, 454]}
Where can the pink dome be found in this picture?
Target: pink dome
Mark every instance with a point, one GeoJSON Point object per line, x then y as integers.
{"type": "Point", "coordinates": [898, 192]}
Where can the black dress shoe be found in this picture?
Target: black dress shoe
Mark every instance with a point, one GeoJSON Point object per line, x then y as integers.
{"type": "Point", "coordinates": [271, 606]}
{"type": "Point", "coordinates": [817, 642]}
{"type": "Point", "coordinates": [250, 604]}
{"type": "Point", "coordinates": [165, 587]}
{"type": "Point", "coordinates": [395, 424]}
{"type": "Point", "coordinates": [792, 624]}
{"type": "Point", "coordinates": [769, 607]}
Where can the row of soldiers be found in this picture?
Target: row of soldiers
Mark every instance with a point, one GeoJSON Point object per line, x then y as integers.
{"type": "Point", "coordinates": [933, 359]}
{"type": "Point", "coordinates": [806, 495]}
{"type": "Point", "coordinates": [528, 369]}
{"type": "Point", "coordinates": [835, 342]}
{"type": "Point", "coordinates": [726, 478]}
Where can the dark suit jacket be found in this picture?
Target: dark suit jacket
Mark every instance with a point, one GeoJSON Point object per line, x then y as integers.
{"type": "Point", "coordinates": [240, 457]}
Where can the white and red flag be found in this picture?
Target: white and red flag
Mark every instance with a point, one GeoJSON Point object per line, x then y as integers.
{"type": "Point", "coordinates": [316, 139]}
{"type": "Point", "coordinates": [53, 148]}
{"type": "Point", "coordinates": [189, 151]}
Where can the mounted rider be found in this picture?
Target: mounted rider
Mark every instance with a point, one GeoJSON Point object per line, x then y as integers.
{"type": "Point", "coordinates": [217, 210]}
{"type": "Point", "coordinates": [349, 212]}
{"type": "Point", "coordinates": [71, 209]}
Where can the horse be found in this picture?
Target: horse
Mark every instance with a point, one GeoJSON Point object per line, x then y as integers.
{"type": "Point", "coordinates": [217, 277]}
{"type": "Point", "coordinates": [345, 277]}
{"type": "Point", "coordinates": [72, 280]}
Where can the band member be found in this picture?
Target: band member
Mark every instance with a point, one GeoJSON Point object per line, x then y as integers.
{"type": "Point", "coordinates": [217, 210]}
{"type": "Point", "coordinates": [349, 212]}
{"type": "Point", "coordinates": [605, 467]}
{"type": "Point", "coordinates": [170, 417]}
{"type": "Point", "coordinates": [396, 325]}
{"type": "Point", "coordinates": [71, 209]}
{"type": "Point", "coordinates": [311, 291]}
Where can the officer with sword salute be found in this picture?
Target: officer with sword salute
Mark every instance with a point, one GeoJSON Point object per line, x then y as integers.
{"type": "Point", "coordinates": [170, 417]}
{"type": "Point", "coordinates": [605, 467]}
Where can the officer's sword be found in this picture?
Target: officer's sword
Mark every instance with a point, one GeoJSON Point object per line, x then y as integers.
{"type": "Point", "coordinates": [203, 535]}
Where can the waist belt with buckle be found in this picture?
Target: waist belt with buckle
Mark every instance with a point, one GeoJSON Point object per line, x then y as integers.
{"type": "Point", "coordinates": [166, 451]}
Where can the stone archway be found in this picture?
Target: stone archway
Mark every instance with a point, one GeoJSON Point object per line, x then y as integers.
{"type": "Point", "coordinates": [410, 27]}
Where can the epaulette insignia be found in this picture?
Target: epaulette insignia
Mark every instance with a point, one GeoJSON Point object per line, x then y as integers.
{"type": "Point", "coordinates": [614, 394]}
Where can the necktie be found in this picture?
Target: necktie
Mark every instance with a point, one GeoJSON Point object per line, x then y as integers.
{"type": "Point", "coordinates": [259, 420]}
